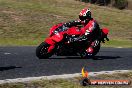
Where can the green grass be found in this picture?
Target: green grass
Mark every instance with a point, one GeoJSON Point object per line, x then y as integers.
{"type": "Point", "coordinates": [27, 22]}
{"type": "Point", "coordinates": [72, 83]}
{"type": "Point", "coordinates": [118, 43]}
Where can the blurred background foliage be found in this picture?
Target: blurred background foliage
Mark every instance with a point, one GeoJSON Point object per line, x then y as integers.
{"type": "Point", "coordinates": [120, 4]}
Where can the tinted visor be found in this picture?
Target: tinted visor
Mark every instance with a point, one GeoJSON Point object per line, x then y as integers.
{"type": "Point", "coordinates": [81, 18]}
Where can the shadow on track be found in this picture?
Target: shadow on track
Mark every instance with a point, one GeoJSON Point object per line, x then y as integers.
{"type": "Point", "coordinates": [8, 68]}
{"type": "Point", "coordinates": [94, 58]}
{"type": "Point", "coordinates": [105, 57]}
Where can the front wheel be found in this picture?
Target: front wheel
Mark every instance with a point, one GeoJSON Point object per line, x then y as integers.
{"type": "Point", "coordinates": [42, 51]}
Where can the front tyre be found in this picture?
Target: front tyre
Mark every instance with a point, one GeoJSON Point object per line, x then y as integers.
{"type": "Point", "coordinates": [42, 51]}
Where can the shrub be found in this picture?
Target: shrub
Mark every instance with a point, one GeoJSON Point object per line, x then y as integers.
{"type": "Point", "coordinates": [120, 4]}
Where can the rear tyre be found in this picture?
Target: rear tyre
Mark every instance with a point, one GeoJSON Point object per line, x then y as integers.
{"type": "Point", "coordinates": [96, 50]}
{"type": "Point", "coordinates": [89, 55]}
{"type": "Point", "coordinates": [42, 51]}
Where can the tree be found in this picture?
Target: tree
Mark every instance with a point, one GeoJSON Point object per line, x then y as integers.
{"type": "Point", "coordinates": [120, 4]}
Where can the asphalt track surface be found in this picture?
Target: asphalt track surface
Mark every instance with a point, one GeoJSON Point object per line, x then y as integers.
{"type": "Point", "coordinates": [19, 62]}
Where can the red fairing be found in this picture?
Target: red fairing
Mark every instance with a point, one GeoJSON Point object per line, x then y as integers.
{"type": "Point", "coordinates": [54, 27]}
{"type": "Point", "coordinates": [55, 38]}
{"type": "Point", "coordinates": [105, 31]}
{"type": "Point", "coordinates": [73, 31]}
{"type": "Point", "coordinates": [49, 41]}
{"type": "Point", "coordinates": [58, 37]}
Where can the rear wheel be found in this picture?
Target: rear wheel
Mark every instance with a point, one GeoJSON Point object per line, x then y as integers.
{"type": "Point", "coordinates": [42, 51]}
{"type": "Point", "coordinates": [89, 55]}
{"type": "Point", "coordinates": [96, 50]}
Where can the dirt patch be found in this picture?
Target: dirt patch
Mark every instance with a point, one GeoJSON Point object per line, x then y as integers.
{"type": "Point", "coordinates": [8, 12]}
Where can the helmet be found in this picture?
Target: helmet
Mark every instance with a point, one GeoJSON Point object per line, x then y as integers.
{"type": "Point", "coordinates": [85, 14]}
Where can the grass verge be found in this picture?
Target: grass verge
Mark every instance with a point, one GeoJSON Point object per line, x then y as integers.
{"type": "Point", "coordinates": [72, 83]}
{"type": "Point", "coordinates": [27, 22]}
{"type": "Point", "coordinates": [118, 44]}
{"type": "Point", "coordinates": [34, 42]}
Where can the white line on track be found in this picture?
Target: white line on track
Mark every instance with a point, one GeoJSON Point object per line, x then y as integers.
{"type": "Point", "coordinates": [63, 76]}
{"type": "Point", "coordinates": [119, 47]}
{"type": "Point", "coordinates": [7, 53]}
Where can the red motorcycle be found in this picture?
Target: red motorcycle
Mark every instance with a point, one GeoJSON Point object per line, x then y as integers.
{"type": "Point", "coordinates": [61, 40]}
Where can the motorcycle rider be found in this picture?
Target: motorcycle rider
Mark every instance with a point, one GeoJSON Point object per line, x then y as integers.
{"type": "Point", "coordinates": [90, 30]}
